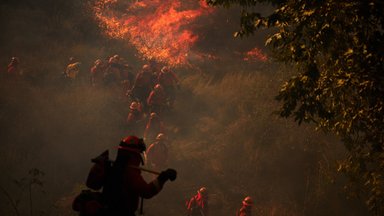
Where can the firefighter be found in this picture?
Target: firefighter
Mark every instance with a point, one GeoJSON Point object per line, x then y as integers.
{"type": "Point", "coordinates": [97, 72]}
{"type": "Point", "coordinates": [154, 126]}
{"type": "Point", "coordinates": [155, 69]}
{"type": "Point", "coordinates": [169, 81]}
{"type": "Point", "coordinates": [156, 100]}
{"type": "Point", "coordinates": [112, 73]}
{"type": "Point", "coordinates": [143, 84]}
{"type": "Point", "coordinates": [13, 69]}
{"type": "Point", "coordinates": [126, 73]}
{"type": "Point", "coordinates": [157, 153]}
{"type": "Point", "coordinates": [246, 208]}
{"type": "Point", "coordinates": [135, 114]}
{"type": "Point", "coordinates": [198, 204]}
{"type": "Point", "coordinates": [135, 118]}
{"type": "Point", "coordinates": [127, 78]}
{"type": "Point", "coordinates": [73, 69]}
{"type": "Point", "coordinates": [125, 184]}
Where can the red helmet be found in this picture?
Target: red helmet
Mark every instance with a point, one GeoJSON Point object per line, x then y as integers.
{"type": "Point", "coordinates": [132, 143]}
{"type": "Point", "coordinates": [248, 201]}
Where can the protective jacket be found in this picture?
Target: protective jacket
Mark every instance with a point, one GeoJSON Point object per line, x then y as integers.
{"type": "Point", "coordinates": [13, 68]}
{"type": "Point", "coordinates": [198, 206]}
{"type": "Point", "coordinates": [121, 182]}
{"type": "Point", "coordinates": [157, 155]}
{"type": "Point", "coordinates": [73, 70]}
{"type": "Point", "coordinates": [134, 116]}
{"type": "Point", "coordinates": [97, 73]}
{"type": "Point", "coordinates": [156, 98]}
{"type": "Point", "coordinates": [244, 211]}
{"type": "Point", "coordinates": [154, 126]}
{"type": "Point", "coordinates": [144, 79]}
{"type": "Point", "coordinates": [125, 185]}
{"type": "Point", "coordinates": [167, 78]}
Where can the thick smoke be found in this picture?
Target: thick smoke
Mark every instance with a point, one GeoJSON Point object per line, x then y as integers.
{"type": "Point", "coordinates": [223, 132]}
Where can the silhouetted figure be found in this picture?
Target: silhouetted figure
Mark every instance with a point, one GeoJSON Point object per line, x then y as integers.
{"type": "Point", "coordinates": [126, 185]}
{"type": "Point", "coordinates": [121, 182]}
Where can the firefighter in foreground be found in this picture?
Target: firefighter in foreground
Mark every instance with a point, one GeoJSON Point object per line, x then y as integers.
{"type": "Point", "coordinates": [198, 204]}
{"type": "Point", "coordinates": [246, 208]}
{"type": "Point", "coordinates": [122, 183]}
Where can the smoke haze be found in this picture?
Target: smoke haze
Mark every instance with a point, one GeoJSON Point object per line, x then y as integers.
{"type": "Point", "coordinates": [223, 132]}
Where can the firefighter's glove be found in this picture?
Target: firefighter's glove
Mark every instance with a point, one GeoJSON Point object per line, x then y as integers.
{"type": "Point", "coordinates": [169, 174]}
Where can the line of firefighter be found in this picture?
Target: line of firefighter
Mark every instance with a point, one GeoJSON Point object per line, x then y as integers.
{"type": "Point", "coordinates": [123, 186]}
{"type": "Point", "coordinates": [154, 92]}
{"type": "Point", "coordinates": [151, 92]}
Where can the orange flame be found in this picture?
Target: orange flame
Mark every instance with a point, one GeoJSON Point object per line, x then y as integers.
{"type": "Point", "coordinates": [255, 54]}
{"type": "Point", "coordinates": [157, 28]}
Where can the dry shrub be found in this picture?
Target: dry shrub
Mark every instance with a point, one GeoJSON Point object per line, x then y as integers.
{"type": "Point", "coordinates": [232, 143]}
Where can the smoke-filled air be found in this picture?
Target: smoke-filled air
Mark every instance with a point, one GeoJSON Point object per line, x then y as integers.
{"type": "Point", "coordinates": [79, 77]}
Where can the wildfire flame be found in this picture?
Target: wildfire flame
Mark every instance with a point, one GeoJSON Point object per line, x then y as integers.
{"type": "Point", "coordinates": [157, 28]}
{"type": "Point", "coordinates": [255, 54]}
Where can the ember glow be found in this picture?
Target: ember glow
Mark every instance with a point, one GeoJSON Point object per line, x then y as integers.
{"type": "Point", "coordinates": [157, 28]}
{"type": "Point", "coordinates": [255, 54]}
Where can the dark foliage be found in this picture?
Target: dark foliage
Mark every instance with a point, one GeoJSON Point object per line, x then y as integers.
{"type": "Point", "coordinates": [337, 48]}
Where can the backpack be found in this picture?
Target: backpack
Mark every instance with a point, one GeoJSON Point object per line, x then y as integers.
{"type": "Point", "coordinates": [89, 203]}
{"type": "Point", "coordinates": [92, 203]}
{"type": "Point", "coordinates": [98, 174]}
